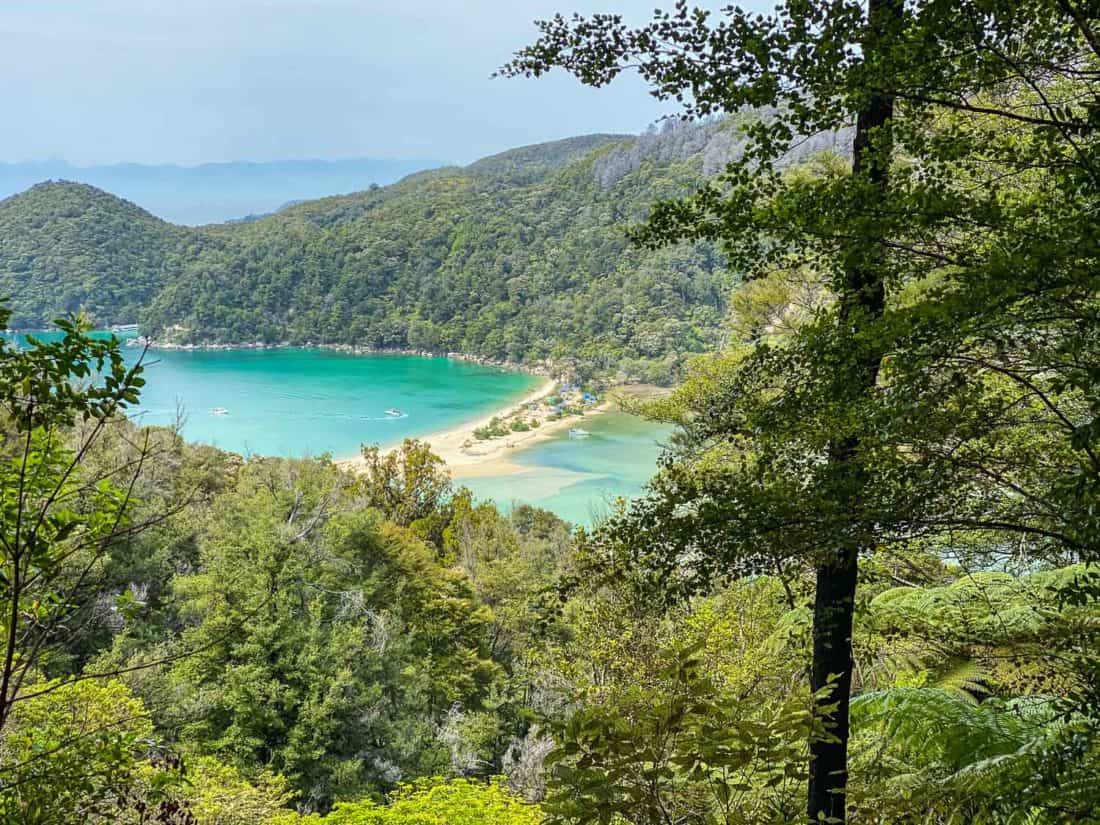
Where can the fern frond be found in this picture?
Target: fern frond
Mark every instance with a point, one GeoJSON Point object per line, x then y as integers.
{"type": "Point", "coordinates": [1016, 761]}
{"type": "Point", "coordinates": [963, 678]}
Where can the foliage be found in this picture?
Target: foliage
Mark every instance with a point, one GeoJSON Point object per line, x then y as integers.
{"type": "Point", "coordinates": [682, 753]}
{"type": "Point", "coordinates": [512, 562]}
{"type": "Point", "coordinates": [1017, 741]}
{"type": "Point", "coordinates": [58, 521]}
{"type": "Point", "coordinates": [72, 754]}
{"type": "Point", "coordinates": [218, 794]}
{"type": "Point", "coordinates": [435, 802]}
{"type": "Point", "coordinates": [932, 753]}
{"type": "Point", "coordinates": [409, 484]}
{"type": "Point", "coordinates": [309, 637]}
{"type": "Point", "coordinates": [87, 751]}
{"type": "Point", "coordinates": [947, 381]}
{"type": "Point", "coordinates": [325, 642]}
{"type": "Point", "coordinates": [494, 429]}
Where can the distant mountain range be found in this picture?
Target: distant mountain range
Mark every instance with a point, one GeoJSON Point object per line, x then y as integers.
{"type": "Point", "coordinates": [521, 256]}
{"type": "Point", "coordinates": [216, 192]}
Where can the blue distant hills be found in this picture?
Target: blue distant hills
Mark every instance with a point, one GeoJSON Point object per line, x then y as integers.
{"type": "Point", "coordinates": [217, 192]}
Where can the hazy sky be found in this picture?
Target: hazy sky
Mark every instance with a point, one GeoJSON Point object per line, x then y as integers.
{"type": "Point", "coordinates": [189, 81]}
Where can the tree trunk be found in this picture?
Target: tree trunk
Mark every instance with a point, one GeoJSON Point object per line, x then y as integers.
{"type": "Point", "coordinates": [862, 301]}
{"type": "Point", "coordinates": [832, 657]}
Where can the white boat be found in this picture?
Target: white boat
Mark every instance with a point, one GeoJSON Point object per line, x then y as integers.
{"type": "Point", "coordinates": [394, 412]}
{"type": "Point", "coordinates": [219, 411]}
{"type": "Point", "coordinates": [577, 432]}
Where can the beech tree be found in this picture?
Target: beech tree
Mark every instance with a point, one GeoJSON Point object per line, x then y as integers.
{"type": "Point", "coordinates": [965, 218]}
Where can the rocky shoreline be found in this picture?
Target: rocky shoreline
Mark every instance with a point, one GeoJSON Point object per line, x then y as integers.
{"type": "Point", "coordinates": [543, 370]}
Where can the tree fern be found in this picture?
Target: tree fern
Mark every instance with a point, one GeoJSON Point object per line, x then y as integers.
{"type": "Point", "coordinates": [933, 751]}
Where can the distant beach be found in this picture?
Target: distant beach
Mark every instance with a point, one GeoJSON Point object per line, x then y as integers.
{"type": "Point", "coordinates": [468, 456]}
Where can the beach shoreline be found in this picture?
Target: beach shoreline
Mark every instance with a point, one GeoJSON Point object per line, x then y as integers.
{"type": "Point", "coordinates": [466, 456]}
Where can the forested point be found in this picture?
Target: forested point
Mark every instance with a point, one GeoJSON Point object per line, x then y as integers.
{"type": "Point", "coordinates": [861, 587]}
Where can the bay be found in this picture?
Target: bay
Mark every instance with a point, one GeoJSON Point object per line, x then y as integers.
{"type": "Point", "coordinates": [295, 402]}
{"type": "Point", "coordinates": [299, 402]}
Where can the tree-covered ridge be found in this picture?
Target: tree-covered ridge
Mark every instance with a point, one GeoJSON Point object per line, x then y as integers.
{"type": "Point", "coordinates": [68, 246]}
{"type": "Point", "coordinates": [522, 257]}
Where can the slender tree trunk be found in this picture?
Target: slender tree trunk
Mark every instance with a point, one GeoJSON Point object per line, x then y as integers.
{"type": "Point", "coordinates": [832, 657]}
{"type": "Point", "coordinates": [862, 302]}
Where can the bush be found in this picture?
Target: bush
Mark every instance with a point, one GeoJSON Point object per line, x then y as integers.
{"type": "Point", "coordinates": [494, 429]}
{"type": "Point", "coordinates": [433, 802]}
{"type": "Point", "coordinates": [77, 747]}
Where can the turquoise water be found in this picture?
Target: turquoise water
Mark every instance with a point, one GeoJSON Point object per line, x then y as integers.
{"type": "Point", "coordinates": [296, 402]}
{"type": "Point", "coordinates": [299, 402]}
{"type": "Point", "coordinates": [579, 478]}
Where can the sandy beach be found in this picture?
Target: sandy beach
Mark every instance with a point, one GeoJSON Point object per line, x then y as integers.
{"type": "Point", "coordinates": [468, 457]}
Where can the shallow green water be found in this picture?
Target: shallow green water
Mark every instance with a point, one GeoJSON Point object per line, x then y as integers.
{"type": "Point", "coordinates": [579, 478]}
{"type": "Point", "coordinates": [298, 402]}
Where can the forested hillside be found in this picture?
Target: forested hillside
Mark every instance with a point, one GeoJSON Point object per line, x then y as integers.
{"type": "Point", "coordinates": [521, 257]}
{"type": "Point", "coordinates": [68, 246]}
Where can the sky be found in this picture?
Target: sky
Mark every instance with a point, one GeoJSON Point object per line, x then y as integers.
{"type": "Point", "coordinates": [200, 81]}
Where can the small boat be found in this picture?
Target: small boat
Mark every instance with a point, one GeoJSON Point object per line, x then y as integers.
{"type": "Point", "coordinates": [393, 412]}
{"type": "Point", "coordinates": [577, 432]}
{"type": "Point", "coordinates": [219, 411]}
